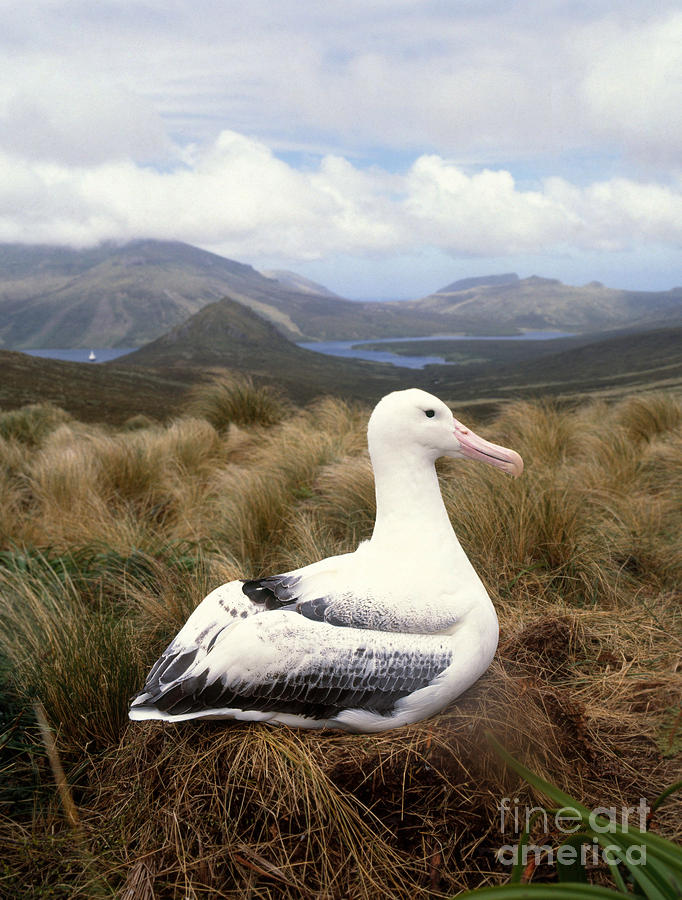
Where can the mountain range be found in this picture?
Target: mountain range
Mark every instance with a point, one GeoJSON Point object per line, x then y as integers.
{"type": "Point", "coordinates": [127, 296]}
{"type": "Point", "coordinates": [119, 296]}
{"type": "Point", "coordinates": [545, 303]}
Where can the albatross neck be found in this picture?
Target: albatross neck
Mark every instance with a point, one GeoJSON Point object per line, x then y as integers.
{"type": "Point", "coordinates": [410, 508]}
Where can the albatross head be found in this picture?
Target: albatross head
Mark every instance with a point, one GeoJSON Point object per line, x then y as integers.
{"type": "Point", "coordinates": [416, 420]}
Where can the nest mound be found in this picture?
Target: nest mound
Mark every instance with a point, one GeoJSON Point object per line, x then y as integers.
{"type": "Point", "coordinates": [273, 812]}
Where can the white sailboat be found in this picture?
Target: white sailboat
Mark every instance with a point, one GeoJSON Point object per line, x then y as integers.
{"type": "Point", "coordinates": [92, 356]}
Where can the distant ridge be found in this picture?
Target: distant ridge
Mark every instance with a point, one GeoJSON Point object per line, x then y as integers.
{"type": "Point", "coordinates": [297, 283]}
{"type": "Point", "coordinates": [509, 303]}
{"type": "Point", "coordinates": [465, 284]}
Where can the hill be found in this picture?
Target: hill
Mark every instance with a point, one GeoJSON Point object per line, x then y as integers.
{"type": "Point", "coordinates": [544, 303]}
{"type": "Point", "coordinates": [647, 359]}
{"type": "Point", "coordinates": [223, 332]}
{"type": "Point", "coordinates": [227, 334]}
{"type": "Point", "coordinates": [614, 366]}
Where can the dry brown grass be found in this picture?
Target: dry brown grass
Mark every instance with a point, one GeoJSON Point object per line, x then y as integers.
{"type": "Point", "coordinates": [108, 539]}
{"type": "Point", "coordinates": [236, 399]}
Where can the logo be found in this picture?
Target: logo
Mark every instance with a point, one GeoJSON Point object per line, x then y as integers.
{"type": "Point", "coordinates": [603, 820]}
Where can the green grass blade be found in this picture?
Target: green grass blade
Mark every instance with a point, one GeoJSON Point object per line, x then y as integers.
{"type": "Point", "coordinates": [662, 849]}
{"type": "Point", "coordinates": [655, 878]}
{"type": "Point", "coordinates": [607, 841]}
{"type": "Point", "coordinates": [677, 786]}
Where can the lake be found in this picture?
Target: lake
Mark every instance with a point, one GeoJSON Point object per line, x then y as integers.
{"type": "Point", "coordinates": [348, 349]}
{"type": "Point", "coordinates": [103, 354]}
{"type": "Point", "coordinates": [354, 350]}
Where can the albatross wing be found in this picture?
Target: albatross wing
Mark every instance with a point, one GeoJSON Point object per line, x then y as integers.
{"type": "Point", "coordinates": [287, 668]}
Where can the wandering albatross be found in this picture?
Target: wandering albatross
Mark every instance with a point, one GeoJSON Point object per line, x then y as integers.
{"type": "Point", "coordinates": [364, 641]}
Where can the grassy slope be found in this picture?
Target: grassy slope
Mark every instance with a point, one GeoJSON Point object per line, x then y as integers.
{"type": "Point", "coordinates": [581, 555]}
{"type": "Point", "coordinates": [623, 363]}
{"type": "Point", "coordinates": [90, 392]}
{"type": "Point", "coordinates": [637, 354]}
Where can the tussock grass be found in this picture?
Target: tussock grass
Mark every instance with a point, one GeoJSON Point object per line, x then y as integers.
{"type": "Point", "coordinates": [647, 416]}
{"type": "Point", "coordinates": [109, 538]}
{"type": "Point", "coordinates": [52, 638]}
{"type": "Point", "coordinates": [344, 499]}
{"type": "Point", "coordinates": [31, 424]}
{"type": "Point", "coordinates": [548, 435]}
{"type": "Point", "coordinates": [236, 398]}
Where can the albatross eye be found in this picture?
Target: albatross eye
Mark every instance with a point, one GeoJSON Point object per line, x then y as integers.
{"type": "Point", "coordinates": [430, 413]}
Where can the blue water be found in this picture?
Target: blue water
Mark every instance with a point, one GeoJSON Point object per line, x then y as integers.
{"type": "Point", "coordinates": [104, 354]}
{"type": "Point", "coordinates": [348, 349]}
{"type": "Point", "coordinates": [353, 349]}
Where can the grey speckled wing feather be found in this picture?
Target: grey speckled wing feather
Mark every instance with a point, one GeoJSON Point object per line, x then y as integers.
{"type": "Point", "coordinates": [312, 669]}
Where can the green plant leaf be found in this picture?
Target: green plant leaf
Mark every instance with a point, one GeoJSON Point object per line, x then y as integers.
{"type": "Point", "coordinates": [665, 851]}
{"type": "Point", "coordinates": [657, 879]}
{"type": "Point", "coordinates": [677, 786]}
{"type": "Point", "coordinates": [573, 872]}
{"type": "Point", "coordinates": [606, 842]}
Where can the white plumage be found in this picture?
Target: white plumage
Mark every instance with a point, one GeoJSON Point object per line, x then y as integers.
{"type": "Point", "coordinates": [365, 641]}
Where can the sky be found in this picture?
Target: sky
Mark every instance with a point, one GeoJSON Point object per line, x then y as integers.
{"type": "Point", "coordinates": [381, 147]}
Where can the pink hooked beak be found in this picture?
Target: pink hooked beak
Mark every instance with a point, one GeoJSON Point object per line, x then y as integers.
{"type": "Point", "coordinates": [475, 447]}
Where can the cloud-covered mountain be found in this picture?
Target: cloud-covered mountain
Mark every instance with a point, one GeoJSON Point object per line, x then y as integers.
{"type": "Point", "coordinates": [122, 296]}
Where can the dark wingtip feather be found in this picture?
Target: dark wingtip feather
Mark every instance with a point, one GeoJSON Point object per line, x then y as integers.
{"type": "Point", "coordinates": [274, 592]}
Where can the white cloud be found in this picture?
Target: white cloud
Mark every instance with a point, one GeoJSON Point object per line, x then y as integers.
{"type": "Point", "coordinates": [61, 118]}
{"type": "Point", "coordinates": [134, 118]}
{"type": "Point", "coordinates": [237, 195]}
{"type": "Point", "coordinates": [632, 85]}
{"type": "Point", "coordinates": [484, 213]}
{"type": "Point", "coordinates": [489, 80]}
